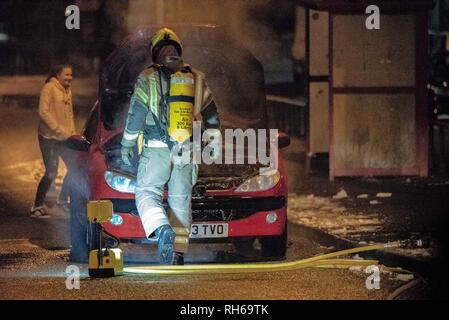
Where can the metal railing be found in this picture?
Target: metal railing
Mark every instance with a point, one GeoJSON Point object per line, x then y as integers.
{"type": "Point", "coordinates": [288, 115]}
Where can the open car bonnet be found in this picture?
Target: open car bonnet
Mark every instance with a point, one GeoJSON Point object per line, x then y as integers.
{"type": "Point", "coordinates": [213, 176]}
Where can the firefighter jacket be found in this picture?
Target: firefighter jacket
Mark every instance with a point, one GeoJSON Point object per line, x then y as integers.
{"type": "Point", "coordinates": [149, 108]}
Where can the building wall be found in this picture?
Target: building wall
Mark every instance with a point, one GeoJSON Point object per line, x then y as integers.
{"type": "Point", "coordinates": [374, 105]}
{"type": "Point", "coordinates": [319, 90]}
{"type": "Point", "coordinates": [374, 131]}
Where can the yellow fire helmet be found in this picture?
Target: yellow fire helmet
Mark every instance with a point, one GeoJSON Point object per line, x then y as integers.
{"type": "Point", "coordinates": [163, 37]}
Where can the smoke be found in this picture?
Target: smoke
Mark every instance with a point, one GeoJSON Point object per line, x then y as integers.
{"type": "Point", "coordinates": [265, 27]}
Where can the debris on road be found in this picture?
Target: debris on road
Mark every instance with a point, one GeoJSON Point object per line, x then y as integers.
{"type": "Point", "coordinates": [356, 269]}
{"type": "Point", "coordinates": [330, 216]}
{"type": "Point", "coordinates": [421, 253]}
{"type": "Point", "coordinates": [384, 194]}
{"type": "Point", "coordinates": [404, 277]}
{"type": "Point", "coordinates": [333, 218]}
{"type": "Point", "coordinates": [340, 195]}
{"type": "Point", "coordinates": [438, 184]}
{"type": "Point", "coordinates": [362, 196]}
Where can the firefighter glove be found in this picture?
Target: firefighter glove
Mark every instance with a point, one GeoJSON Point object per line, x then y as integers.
{"type": "Point", "coordinates": [127, 155]}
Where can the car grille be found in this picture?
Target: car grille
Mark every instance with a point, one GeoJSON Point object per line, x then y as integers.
{"type": "Point", "coordinates": [220, 215]}
{"type": "Point", "coordinates": [215, 209]}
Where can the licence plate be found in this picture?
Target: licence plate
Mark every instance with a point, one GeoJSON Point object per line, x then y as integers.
{"type": "Point", "coordinates": [209, 230]}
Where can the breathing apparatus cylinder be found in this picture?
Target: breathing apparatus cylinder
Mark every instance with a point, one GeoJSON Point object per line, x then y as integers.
{"type": "Point", "coordinates": [181, 102]}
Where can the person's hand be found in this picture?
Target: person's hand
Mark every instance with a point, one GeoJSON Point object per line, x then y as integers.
{"type": "Point", "coordinates": [62, 134]}
{"type": "Point", "coordinates": [127, 155]}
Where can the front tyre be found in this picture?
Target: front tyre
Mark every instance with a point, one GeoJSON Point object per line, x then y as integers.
{"type": "Point", "coordinates": [275, 246]}
{"type": "Point", "coordinates": [243, 246]}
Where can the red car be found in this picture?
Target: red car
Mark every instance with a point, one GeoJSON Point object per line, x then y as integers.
{"type": "Point", "coordinates": [230, 202]}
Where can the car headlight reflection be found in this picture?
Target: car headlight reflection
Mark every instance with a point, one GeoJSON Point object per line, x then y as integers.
{"type": "Point", "coordinates": [261, 182]}
{"type": "Point", "coordinates": [120, 183]}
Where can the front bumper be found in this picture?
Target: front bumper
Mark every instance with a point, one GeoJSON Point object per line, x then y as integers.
{"type": "Point", "coordinates": [246, 217]}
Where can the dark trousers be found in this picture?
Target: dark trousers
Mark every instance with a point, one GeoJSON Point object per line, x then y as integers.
{"type": "Point", "coordinates": [51, 151]}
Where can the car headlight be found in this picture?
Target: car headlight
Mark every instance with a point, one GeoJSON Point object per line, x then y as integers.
{"type": "Point", "coordinates": [120, 183]}
{"type": "Point", "coordinates": [261, 182]}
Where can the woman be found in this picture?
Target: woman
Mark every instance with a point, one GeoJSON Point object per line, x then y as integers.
{"type": "Point", "coordinates": [55, 126]}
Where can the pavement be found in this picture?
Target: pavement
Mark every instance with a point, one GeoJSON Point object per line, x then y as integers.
{"type": "Point", "coordinates": [369, 209]}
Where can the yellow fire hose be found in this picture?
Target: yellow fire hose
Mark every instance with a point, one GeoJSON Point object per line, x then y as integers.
{"type": "Point", "coordinates": [106, 262]}
{"type": "Point", "coordinates": [324, 260]}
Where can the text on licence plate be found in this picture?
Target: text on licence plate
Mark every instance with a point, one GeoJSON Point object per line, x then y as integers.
{"type": "Point", "coordinates": [209, 230]}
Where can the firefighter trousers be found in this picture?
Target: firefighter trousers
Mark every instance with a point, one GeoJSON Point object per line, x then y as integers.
{"type": "Point", "coordinates": [156, 170]}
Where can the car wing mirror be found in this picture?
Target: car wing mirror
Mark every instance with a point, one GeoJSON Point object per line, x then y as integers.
{"type": "Point", "coordinates": [283, 140]}
{"type": "Point", "coordinates": [77, 142]}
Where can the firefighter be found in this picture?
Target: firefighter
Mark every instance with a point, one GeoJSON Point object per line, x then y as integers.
{"type": "Point", "coordinates": [166, 98]}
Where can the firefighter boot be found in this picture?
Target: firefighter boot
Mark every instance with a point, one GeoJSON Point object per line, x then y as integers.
{"type": "Point", "coordinates": [178, 258]}
{"type": "Point", "coordinates": [165, 244]}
